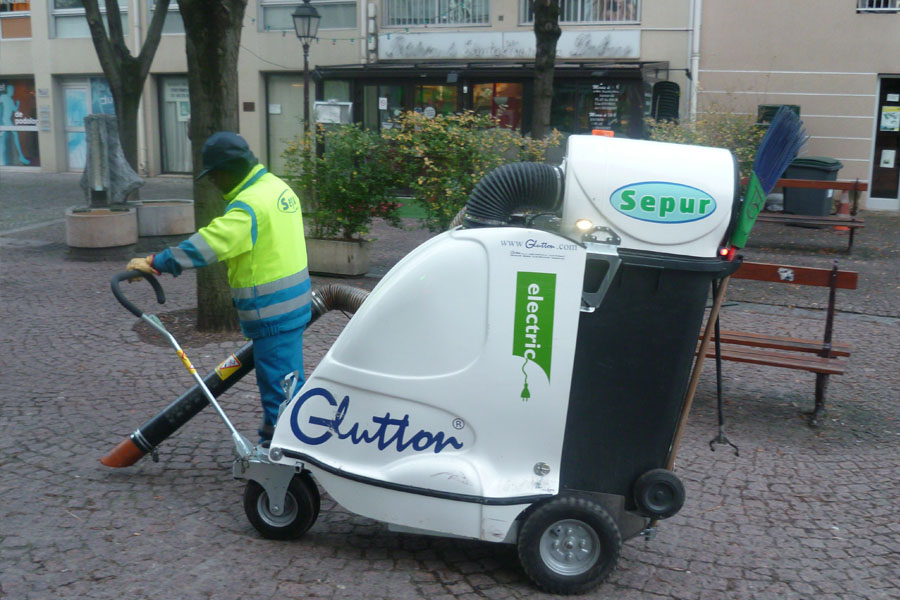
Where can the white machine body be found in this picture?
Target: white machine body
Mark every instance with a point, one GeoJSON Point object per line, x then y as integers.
{"type": "Point", "coordinates": [659, 197]}
{"type": "Point", "coordinates": [419, 415]}
{"type": "Point", "coordinates": [442, 407]}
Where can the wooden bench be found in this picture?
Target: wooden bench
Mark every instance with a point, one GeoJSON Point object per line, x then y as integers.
{"type": "Point", "coordinates": [824, 358]}
{"type": "Point", "coordinates": [851, 221]}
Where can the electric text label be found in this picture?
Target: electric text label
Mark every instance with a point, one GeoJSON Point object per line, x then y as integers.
{"type": "Point", "coordinates": [533, 331]}
{"type": "Point", "coordinates": [389, 432]}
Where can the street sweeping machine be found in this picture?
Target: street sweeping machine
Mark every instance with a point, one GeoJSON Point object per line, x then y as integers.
{"type": "Point", "coordinates": [520, 378]}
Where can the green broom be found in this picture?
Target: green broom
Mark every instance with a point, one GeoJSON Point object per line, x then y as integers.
{"type": "Point", "coordinates": [778, 148]}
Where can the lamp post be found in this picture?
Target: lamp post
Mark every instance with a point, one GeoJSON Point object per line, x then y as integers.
{"type": "Point", "coordinates": [306, 24]}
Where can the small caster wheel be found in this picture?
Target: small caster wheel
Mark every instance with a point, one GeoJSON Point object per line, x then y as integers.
{"type": "Point", "coordinates": [301, 508]}
{"type": "Point", "coordinates": [659, 493]}
{"type": "Point", "coordinates": [569, 545]}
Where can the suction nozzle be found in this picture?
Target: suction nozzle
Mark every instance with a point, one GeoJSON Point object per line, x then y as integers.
{"type": "Point", "coordinates": [125, 454]}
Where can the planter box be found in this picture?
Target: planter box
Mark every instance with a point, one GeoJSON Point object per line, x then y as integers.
{"type": "Point", "coordinates": [165, 217]}
{"type": "Point", "coordinates": [337, 257]}
{"type": "Point", "coordinates": [101, 227]}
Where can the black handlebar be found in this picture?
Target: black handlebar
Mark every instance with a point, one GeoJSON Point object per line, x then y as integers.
{"type": "Point", "coordinates": [117, 292]}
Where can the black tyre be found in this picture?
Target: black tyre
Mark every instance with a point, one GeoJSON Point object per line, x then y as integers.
{"type": "Point", "coordinates": [659, 493]}
{"type": "Point", "coordinates": [301, 508]}
{"type": "Point", "coordinates": [569, 544]}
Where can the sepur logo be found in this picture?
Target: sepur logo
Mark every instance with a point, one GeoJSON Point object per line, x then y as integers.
{"type": "Point", "coordinates": [533, 326]}
{"type": "Point", "coordinates": [662, 202]}
{"type": "Point", "coordinates": [288, 202]}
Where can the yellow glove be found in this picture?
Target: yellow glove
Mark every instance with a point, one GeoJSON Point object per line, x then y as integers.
{"type": "Point", "coordinates": [144, 265]}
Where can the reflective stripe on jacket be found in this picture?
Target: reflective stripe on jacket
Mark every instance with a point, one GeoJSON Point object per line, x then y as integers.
{"type": "Point", "coordinates": [260, 238]}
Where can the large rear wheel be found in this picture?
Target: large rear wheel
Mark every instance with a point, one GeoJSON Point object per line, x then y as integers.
{"type": "Point", "coordinates": [569, 544]}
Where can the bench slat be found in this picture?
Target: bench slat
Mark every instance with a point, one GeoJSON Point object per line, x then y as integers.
{"type": "Point", "coordinates": [798, 275]}
{"type": "Point", "coordinates": [778, 342]}
{"type": "Point", "coordinates": [815, 364]}
{"type": "Point", "coordinates": [826, 220]}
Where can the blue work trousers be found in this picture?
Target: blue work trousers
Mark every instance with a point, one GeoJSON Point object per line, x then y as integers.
{"type": "Point", "coordinates": [276, 356]}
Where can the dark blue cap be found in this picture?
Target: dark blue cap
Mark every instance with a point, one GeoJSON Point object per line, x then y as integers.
{"type": "Point", "coordinates": [225, 150]}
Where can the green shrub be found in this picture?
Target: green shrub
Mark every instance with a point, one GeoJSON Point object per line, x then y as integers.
{"type": "Point", "coordinates": [442, 158]}
{"type": "Point", "coordinates": [351, 183]}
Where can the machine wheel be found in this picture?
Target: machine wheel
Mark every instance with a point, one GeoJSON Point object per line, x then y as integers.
{"type": "Point", "coordinates": [659, 493]}
{"type": "Point", "coordinates": [569, 545]}
{"type": "Point", "coordinates": [300, 511]}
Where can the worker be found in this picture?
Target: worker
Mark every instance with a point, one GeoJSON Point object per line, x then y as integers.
{"type": "Point", "coordinates": [260, 238]}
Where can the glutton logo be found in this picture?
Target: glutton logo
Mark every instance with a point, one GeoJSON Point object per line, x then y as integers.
{"type": "Point", "coordinates": [662, 202]}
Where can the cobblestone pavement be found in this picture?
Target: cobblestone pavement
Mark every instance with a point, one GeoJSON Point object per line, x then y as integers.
{"type": "Point", "coordinates": [799, 514]}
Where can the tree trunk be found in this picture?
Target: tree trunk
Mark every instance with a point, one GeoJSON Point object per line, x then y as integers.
{"type": "Point", "coordinates": [546, 33]}
{"type": "Point", "coordinates": [213, 37]}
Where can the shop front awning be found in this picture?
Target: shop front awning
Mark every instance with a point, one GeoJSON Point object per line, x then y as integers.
{"type": "Point", "coordinates": [452, 71]}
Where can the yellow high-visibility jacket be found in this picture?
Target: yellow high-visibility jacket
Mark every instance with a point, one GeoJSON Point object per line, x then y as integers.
{"type": "Point", "coordinates": [260, 238]}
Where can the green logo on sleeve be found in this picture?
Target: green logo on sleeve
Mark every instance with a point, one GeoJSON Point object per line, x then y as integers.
{"type": "Point", "coordinates": [533, 329]}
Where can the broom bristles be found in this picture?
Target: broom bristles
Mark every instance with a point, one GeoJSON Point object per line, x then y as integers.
{"type": "Point", "coordinates": [780, 145]}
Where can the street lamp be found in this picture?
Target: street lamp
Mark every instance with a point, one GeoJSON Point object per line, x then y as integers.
{"type": "Point", "coordinates": [306, 24]}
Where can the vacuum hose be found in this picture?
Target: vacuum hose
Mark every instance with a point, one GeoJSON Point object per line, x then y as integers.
{"type": "Point", "coordinates": [152, 433]}
{"type": "Point", "coordinates": [513, 187]}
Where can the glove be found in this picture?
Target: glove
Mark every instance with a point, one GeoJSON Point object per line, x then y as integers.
{"type": "Point", "coordinates": [144, 265]}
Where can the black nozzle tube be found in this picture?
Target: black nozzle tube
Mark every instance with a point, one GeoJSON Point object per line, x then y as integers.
{"type": "Point", "coordinates": [152, 433]}
{"type": "Point", "coordinates": [512, 188]}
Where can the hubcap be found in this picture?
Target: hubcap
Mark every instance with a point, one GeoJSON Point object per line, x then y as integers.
{"type": "Point", "coordinates": [286, 517]}
{"type": "Point", "coordinates": [570, 547]}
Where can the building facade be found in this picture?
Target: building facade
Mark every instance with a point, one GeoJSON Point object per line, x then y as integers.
{"type": "Point", "coordinates": [837, 61]}
{"type": "Point", "coordinates": [371, 59]}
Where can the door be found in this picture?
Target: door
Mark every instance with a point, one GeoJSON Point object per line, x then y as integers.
{"type": "Point", "coordinates": [883, 193]}
{"type": "Point", "coordinates": [175, 113]}
{"type": "Point", "coordinates": [76, 97]}
{"type": "Point", "coordinates": [284, 116]}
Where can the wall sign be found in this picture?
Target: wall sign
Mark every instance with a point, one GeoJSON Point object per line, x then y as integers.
{"type": "Point", "coordinates": [619, 43]}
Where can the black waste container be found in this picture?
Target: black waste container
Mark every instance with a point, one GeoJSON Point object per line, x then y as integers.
{"type": "Point", "coordinates": [810, 202]}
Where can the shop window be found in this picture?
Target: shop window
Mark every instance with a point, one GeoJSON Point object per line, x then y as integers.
{"type": "Point", "coordinates": [68, 18]}
{"type": "Point", "coordinates": [666, 97]}
{"type": "Point", "coordinates": [588, 11]}
{"type": "Point", "coordinates": [275, 15]}
{"type": "Point", "coordinates": [433, 100]}
{"type": "Point", "coordinates": [18, 124]}
{"type": "Point", "coordinates": [173, 24]}
{"type": "Point", "coordinates": [400, 13]}
{"type": "Point", "coordinates": [382, 105]}
{"type": "Point", "coordinates": [580, 107]}
{"type": "Point", "coordinates": [503, 101]}
{"type": "Point", "coordinates": [15, 20]}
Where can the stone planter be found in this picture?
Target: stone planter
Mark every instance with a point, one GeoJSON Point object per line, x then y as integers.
{"type": "Point", "coordinates": [337, 257]}
{"type": "Point", "coordinates": [165, 217]}
{"type": "Point", "coordinates": [101, 227]}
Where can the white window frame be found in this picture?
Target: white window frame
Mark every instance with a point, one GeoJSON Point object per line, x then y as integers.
{"type": "Point", "coordinates": [71, 12]}
{"type": "Point", "coordinates": [264, 4]}
{"type": "Point", "coordinates": [446, 13]}
{"type": "Point", "coordinates": [19, 14]}
{"type": "Point", "coordinates": [526, 17]}
{"type": "Point", "coordinates": [878, 6]}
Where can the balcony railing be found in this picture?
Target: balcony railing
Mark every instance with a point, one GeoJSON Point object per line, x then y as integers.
{"type": "Point", "coordinates": [589, 11]}
{"type": "Point", "coordinates": [413, 13]}
{"type": "Point", "coordinates": [877, 6]}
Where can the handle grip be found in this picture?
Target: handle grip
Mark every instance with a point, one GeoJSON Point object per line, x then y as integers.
{"type": "Point", "coordinates": [117, 292]}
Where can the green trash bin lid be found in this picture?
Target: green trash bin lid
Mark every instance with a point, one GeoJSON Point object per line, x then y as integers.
{"type": "Point", "coordinates": [822, 163]}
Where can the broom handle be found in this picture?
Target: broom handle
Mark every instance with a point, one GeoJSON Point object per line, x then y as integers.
{"type": "Point", "coordinates": [695, 376]}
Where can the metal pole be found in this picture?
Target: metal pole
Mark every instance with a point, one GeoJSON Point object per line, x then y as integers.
{"type": "Point", "coordinates": [305, 88]}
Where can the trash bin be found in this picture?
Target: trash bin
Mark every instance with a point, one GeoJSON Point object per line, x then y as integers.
{"type": "Point", "coordinates": [810, 202]}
